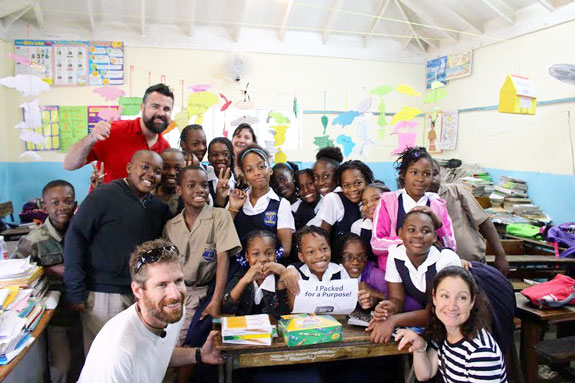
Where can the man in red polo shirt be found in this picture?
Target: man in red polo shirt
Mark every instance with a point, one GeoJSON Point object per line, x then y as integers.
{"type": "Point", "coordinates": [114, 144]}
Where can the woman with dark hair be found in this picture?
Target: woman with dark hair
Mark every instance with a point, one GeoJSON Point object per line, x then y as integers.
{"type": "Point", "coordinates": [243, 137]}
{"type": "Point", "coordinates": [462, 348]}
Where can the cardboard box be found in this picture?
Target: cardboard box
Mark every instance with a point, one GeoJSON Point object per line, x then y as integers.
{"type": "Point", "coordinates": [302, 329]}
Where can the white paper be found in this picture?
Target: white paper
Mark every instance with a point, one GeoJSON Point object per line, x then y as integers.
{"type": "Point", "coordinates": [332, 297]}
{"type": "Point", "coordinates": [14, 268]}
{"type": "Point", "coordinates": [32, 115]}
{"type": "Point", "coordinates": [27, 84]}
{"type": "Point", "coordinates": [30, 154]}
{"type": "Point", "coordinates": [31, 136]}
{"type": "Point", "coordinates": [51, 299]}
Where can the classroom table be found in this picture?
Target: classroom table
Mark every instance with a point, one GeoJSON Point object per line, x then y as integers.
{"type": "Point", "coordinates": [38, 331]}
{"type": "Point", "coordinates": [355, 344]}
{"type": "Point", "coordinates": [528, 259]}
{"type": "Point", "coordinates": [16, 233]}
{"type": "Point", "coordinates": [533, 325]}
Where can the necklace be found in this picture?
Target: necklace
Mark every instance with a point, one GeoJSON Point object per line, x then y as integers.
{"type": "Point", "coordinates": [159, 331]}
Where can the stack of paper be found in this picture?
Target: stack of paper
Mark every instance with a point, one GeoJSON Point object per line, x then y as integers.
{"type": "Point", "coordinates": [248, 329]}
{"type": "Point", "coordinates": [19, 272]}
{"type": "Point", "coordinates": [12, 329]}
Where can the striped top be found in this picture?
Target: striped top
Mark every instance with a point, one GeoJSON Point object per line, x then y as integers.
{"type": "Point", "coordinates": [479, 360]}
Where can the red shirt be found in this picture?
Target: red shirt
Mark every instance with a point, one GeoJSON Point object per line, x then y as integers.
{"type": "Point", "coordinates": [126, 138]}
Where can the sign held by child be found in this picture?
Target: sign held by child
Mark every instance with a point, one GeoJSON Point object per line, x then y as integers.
{"type": "Point", "coordinates": [336, 297]}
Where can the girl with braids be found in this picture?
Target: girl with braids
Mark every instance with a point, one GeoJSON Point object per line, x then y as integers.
{"type": "Point", "coordinates": [306, 207]}
{"type": "Point", "coordinates": [283, 180]}
{"type": "Point", "coordinates": [414, 177]}
{"type": "Point", "coordinates": [327, 162]}
{"type": "Point", "coordinates": [341, 209]}
{"type": "Point", "coordinates": [259, 289]}
{"type": "Point", "coordinates": [462, 349]}
{"type": "Point", "coordinates": [221, 175]}
{"type": "Point", "coordinates": [259, 207]}
{"type": "Point", "coordinates": [193, 144]}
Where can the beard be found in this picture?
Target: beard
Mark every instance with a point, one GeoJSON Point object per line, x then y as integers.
{"type": "Point", "coordinates": [157, 310]}
{"type": "Point", "coordinates": [156, 128]}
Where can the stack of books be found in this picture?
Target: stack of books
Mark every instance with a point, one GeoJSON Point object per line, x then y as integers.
{"type": "Point", "coordinates": [248, 330]}
{"type": "Point", "coordinates": [511, 195]}
{"type": "Point", "coordinates": [479, 187]}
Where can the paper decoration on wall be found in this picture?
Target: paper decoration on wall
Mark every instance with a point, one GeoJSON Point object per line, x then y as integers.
{"type": "Point", "coordinates": [99, 113]}
{"type": "Point", "coordinates": [71, 63]}
{"type": "Point", "coordinates": [246, 103]}
{"type": "Point", "coordinates": [199, 87]}
{"type": "Point", "coordinates": [381, 91]}
{"type": "Point", "coordinates": [182, 119]}
{"type": "Point", "coordinates": [48, 130]}
{"type": "Point", "coordinates": [170, 127]}
{"type": "Point", "coordinates": [322, 141]}
{"type": "Point", "coordinates": [38, 59]}
{"type": "Point", "coordinates": [406, 135]}
{"type": "Point", "coordinates": [436, 93]}
{"type": "Point", "coordinates": [449, 130]}
{"type": "Point", "coordinates": [110, 93]}
{"type": "Point", "coordinates": [106, 62]}
{"type": "Point", "coordinates": [32, 114]}
{"type": "Point", "coordinates": [27, 84]}
{"type": "Point", "coordinates": [131, 106]}
{"type": "Point", "coordinates": [250, 120]}
{"type": "Point", "coordinates": [364, 144]}
{"type": "Point", "coordinates": [324, 121]}
{"type": "Point", "coordinates": [458, 65]}
{"type": "Point", "coordinates": [346, 142]}
{"type": "Point", "coordinates": [31, 155]}
{"type": "Point", "coordinates": [407, 89]}
{"type": "Point", "coordinates": [517, 95]}
{"type": "Point", "coordinates": [279, 118]}
{"type": "Point", "coordinates": [364, 106]}
{"type": "Point", "coordinates": [436, 70]}
{"type": "Point", "coordinates": [226, 105]}
{"type": "Point", "coordinates": [73, 125]}
{"type": "Point", "coordinates": [432, 133]}
{"type": "Point", "coordinates": [405, 114]}
{"type": "Point", "coordinates": [295, 108]}
{"type": "Point", "coordinates": [31, 136]}
{"type": "Point", "coordinates": [279, 132]}
{"type": "Point", "coordinates": [280, 157]}
{"type": "Point", "coordinates": [199, 103]}
{"type": "Point", "coordinates": [225, 131]}
{"type": "Point", "coordinates": [345, 118]}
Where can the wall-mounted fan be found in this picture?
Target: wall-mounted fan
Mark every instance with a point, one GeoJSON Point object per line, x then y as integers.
{"type": "Point", "coordinates": [236, 67]}
{"type": "Point", "coordinates": [563, 72]}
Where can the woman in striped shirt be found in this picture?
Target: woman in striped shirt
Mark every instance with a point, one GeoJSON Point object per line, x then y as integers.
{"type": "Point", "coordinates": [462, 348]}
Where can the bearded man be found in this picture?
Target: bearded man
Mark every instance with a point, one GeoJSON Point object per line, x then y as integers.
{"type": "Point", "coordinates": [113, 143]}
{"type": "Point", "coordinates": [138, 345]}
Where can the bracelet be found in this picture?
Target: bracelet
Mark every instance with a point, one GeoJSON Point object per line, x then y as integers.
{"type": "Point", "coordinates": [233, 210]}
{"type": "Point", "coordinates": [198, 355]}
{"type": "Point", "coordinates": [422, 350]}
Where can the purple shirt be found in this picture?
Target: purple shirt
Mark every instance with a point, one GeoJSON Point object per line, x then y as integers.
{"type": "Point", "coordinates": [375, 278]}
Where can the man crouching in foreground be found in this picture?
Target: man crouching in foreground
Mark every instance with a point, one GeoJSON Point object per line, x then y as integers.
{"type": "Point", "coordinates": [138, 345]}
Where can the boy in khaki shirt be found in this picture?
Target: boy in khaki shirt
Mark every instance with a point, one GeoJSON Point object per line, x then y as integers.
{"type": "Point", "coordinates": [207, 238]}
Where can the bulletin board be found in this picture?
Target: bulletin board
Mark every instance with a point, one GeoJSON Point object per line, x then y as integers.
{"type": "Point", "coordinates": [34, 58]}
{"type": "Point", "coordinates": [106, 60]}
{"type": "Point", "coordinates": [49, 129]}
{"type": "Point", "coordinates": [70, 62]}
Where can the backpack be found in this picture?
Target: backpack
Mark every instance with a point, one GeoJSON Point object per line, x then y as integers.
{"type": "Point", "coordinates": [558, 292]}
{"type": "Point", "coordinates": [524, 230]}
{"type": "Point", "coordinates": [32, 210]}
{"type": "Point", "coordinates": [563, 235]}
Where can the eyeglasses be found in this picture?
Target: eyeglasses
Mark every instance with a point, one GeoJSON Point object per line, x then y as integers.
{"type": "Point", "coordinates": [153, 255]}
{"type": "Point", "coordinates": [351, 258]}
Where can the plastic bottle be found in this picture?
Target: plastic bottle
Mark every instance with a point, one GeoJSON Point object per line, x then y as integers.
{"type": "Point", "coordinates": [3, 248]}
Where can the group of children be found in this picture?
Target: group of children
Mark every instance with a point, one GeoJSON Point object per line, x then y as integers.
{"type": "Point", "coordinates": [249, 232]}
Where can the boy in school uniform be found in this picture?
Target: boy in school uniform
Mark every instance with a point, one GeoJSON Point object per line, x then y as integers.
{"type": "Point", "coordinates": [166, 190]}
{"type": "Point", "coordinates": [45, 246]}
{"type": "Point", "coordinates": [206, 237]}
{"type": "Point", "coordinates": [110, 223]}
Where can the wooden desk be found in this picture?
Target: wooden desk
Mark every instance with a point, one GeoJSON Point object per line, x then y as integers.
{"type": "Point", "coordinates": [14, 234]}
{"type": "Point", "coordinates": [534, 242]}
{"type": "Point", "coordinates": [38, 331]}
{"type": "Point", "coordinates": [527, 259]}
{"type": "Point", "coordinates": [533, 324]}
{"type": "Point", "coordinates": [355, 344]}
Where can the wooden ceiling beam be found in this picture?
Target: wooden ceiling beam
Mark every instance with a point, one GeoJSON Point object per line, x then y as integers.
{"type": "Point", "coordinates": [380, 11]}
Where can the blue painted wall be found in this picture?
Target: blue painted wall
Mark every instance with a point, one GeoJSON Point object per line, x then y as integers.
{"type": "Point", "coordinates": [554, 193]}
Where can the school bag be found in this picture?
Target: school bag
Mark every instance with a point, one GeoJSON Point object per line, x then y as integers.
{"type": "Point", "coordinates": [563, 235]}
{"type": "Point", "coordinates": [32, 211]}
{"type": "Point", "coordinates": [558, 292]}
{"type": "Point", "coordinates": [524, 230]}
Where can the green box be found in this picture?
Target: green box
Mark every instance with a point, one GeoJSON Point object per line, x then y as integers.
{"type": "Point", "coordinates": [302, 329]}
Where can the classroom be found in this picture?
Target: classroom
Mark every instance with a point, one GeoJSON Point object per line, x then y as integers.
{"type": "Point", "coordinates": [486, 88]}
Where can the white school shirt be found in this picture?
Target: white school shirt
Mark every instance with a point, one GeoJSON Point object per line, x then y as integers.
{"type": "Point", "coordinates": [332, 209]}
{"type": "Point", "coordinates": [332, 268]}
{"type": "Point", "coordinates": [285, 217]}
{"type": "Point", "coordinates": [441, 260]}
{"type": "Point", "coordinates": [268, 284]}
{"type": "Point", "coordinates": [409, 203]}
{"type": "Point", "coordinates": [213, 178]}
{"type": "Point", "coordinates": [362, 223]}
{"type": "Point", "coordinates": [316, 221]}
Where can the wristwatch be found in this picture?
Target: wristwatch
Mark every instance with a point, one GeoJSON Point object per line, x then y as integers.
{"type": "Point", "coordinates": [198, 355]}
{"type": "Point", "coordinates": [424, 348]}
